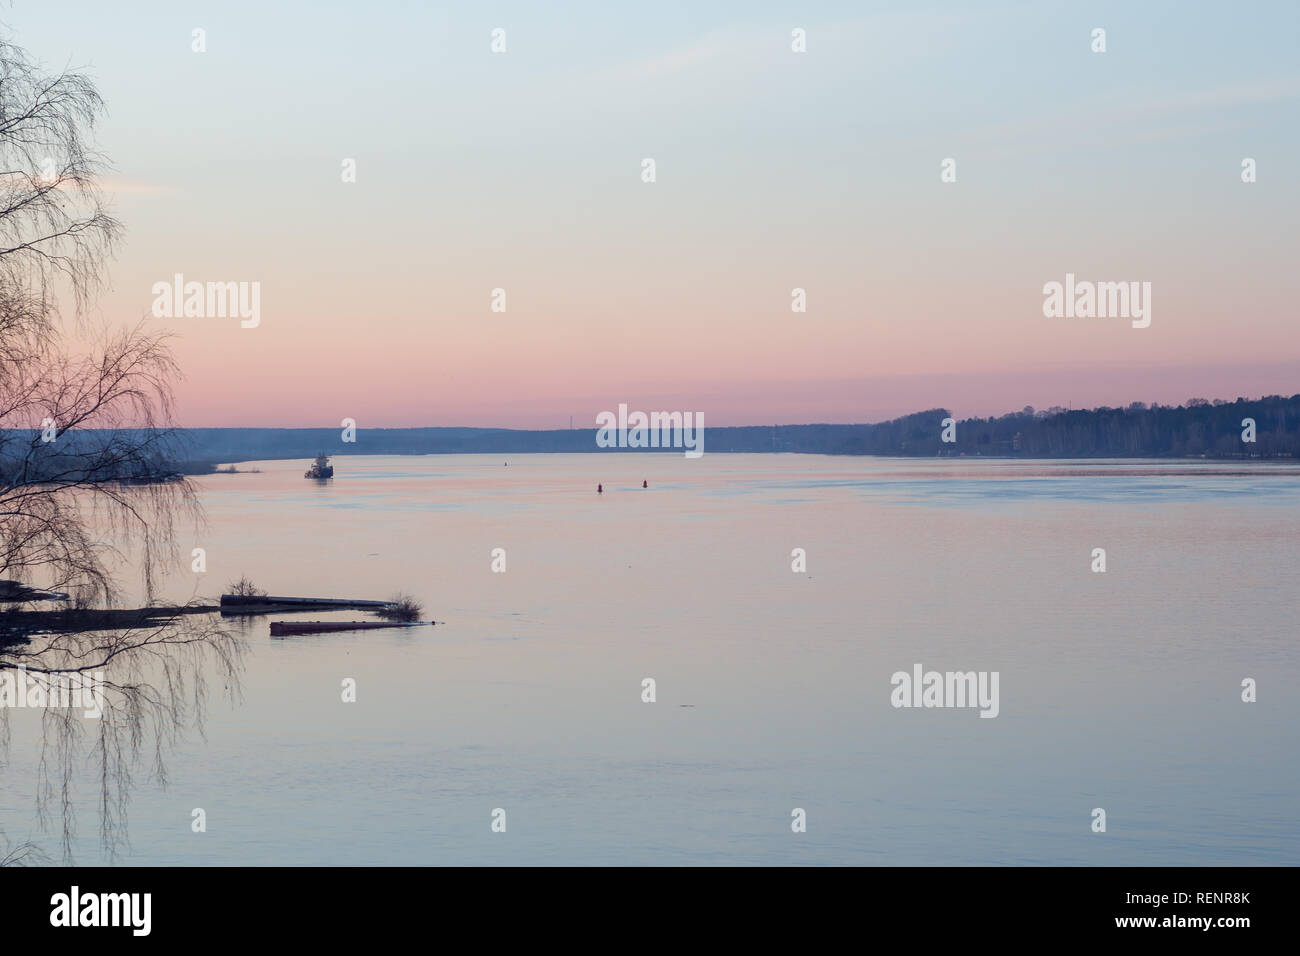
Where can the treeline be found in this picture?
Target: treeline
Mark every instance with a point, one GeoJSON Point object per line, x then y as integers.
{"type": "Point", "coordinates": [1213, 429]}
{"type": "Point", "coordinates": [92, 456]}
{"type": "Point", "coordinates": [253, 444]}
{"type": "Point", "coordinates": [1196, 428]}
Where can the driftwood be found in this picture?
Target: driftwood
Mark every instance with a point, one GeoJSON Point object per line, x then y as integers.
{"type": "Point", "coordinates": [287, 628]}
{"type": "Point", "coordinates": [264, 603]}
{"type": "Point", "coordinates": [16, 625]}
{"type": "Point", "coordinates": [17, 592]}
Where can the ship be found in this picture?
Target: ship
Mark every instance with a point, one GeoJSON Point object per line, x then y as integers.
{"type": "Point", "coordinates": [320, 469]}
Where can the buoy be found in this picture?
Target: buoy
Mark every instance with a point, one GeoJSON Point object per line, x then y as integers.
{"type": "Point", "coordinates": [599, 490]}
{"type": "Point", "coordinates": [644, 485]}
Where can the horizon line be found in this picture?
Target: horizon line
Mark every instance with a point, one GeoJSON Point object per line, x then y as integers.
{"type": "Point", "coordinates": [938, 408]}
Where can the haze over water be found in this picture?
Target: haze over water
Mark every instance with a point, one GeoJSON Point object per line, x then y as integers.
{"type": "Point", "coordinates": [1119, 690]}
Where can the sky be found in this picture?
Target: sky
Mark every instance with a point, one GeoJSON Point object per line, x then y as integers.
{"type": "Point", "coordinates": [774, 170]}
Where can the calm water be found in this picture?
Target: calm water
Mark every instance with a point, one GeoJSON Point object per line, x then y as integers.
{"type": "Point", "coordinates": [1118, 690]}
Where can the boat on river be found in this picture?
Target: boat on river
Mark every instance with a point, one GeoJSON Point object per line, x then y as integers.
{"type": "Point", "coordinates": [320, 469]}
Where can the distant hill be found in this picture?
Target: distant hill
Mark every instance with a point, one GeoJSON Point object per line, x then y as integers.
{"type": "Point", "coordinates": [1197, 428]}
{"type": "Point", "coordinates": [249, 444]}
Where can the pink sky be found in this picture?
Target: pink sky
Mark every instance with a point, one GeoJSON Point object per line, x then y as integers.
{"type": "Point", "coordinates": [775, 170]}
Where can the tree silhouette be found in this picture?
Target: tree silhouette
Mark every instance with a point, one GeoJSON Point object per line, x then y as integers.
{"type": "Point", "coordinates": [75, 427]}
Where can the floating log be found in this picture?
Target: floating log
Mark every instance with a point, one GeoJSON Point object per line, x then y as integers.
{"type": "Point", "coordinates": [17, 593]}
{"type": "Point", "coordinates": [266, 600]}
{"type": "Point", "coordinates": [286, 628]}
{"type": "Point", "coordinates": [15, 626]}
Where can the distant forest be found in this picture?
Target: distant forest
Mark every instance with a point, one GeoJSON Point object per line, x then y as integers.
{"type": "Point", "coordinates": [1197, 428]}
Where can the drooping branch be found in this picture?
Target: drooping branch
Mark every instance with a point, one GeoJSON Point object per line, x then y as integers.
{"type": "Point", "coordinates": [86, 438]}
